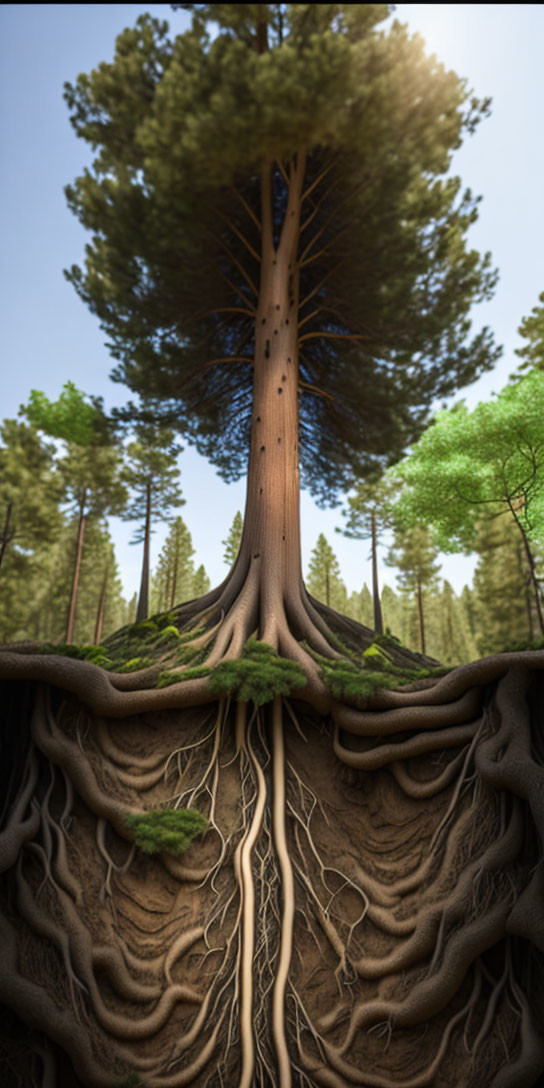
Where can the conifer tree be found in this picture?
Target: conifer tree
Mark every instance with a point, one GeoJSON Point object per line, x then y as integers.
{"type": "Point", "coordinates": [414, 556]}
{"type": "Point", "coordinates": [532, 330]}
{"type": "Point", "coordinates": [233, 541]}
{"type": "Point", "coordinates": [152, 475]}
{"type": "Point", "coordinates": [360, 607]}
{"type": "Point", "coordinates": [201, 582]}
{"type": "Point", "coordinates": [272, 220]}
{"type": "Point", "coordinates": [369, 512]}
{"type": "Point", "coordinates": [29, 492]}
{"type": "Point", "coordinates": [504, 607]}
{"type": "Point", "coordinates": [174, 578]}
{"type": "Point", "coordinates": [324, 580]}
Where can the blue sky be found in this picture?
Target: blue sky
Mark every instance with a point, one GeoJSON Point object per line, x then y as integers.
{"type": "Point", "coordinates": [48, 336]}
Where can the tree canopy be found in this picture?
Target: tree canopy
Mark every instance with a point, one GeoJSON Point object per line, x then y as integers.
{"type": "Point", "coordinates": [195, 139]}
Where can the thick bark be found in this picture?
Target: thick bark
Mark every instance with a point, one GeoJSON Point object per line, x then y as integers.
{"type": "Point", "coordinates": [271, 534]}
{"type": "Point", "coordinates": [378, 618]}
{"type": "Point", "coordinates": [143, 599]}
{"type": "Point", "coordinates": [75, 583]}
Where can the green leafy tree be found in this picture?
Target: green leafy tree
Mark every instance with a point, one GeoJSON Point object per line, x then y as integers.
{"type": "Point", "coordinates": [468, 463]}
{"type": "Point", "coordinates": [414, 556]}
{"type": "Point", "coordinates": [368, 514]}
{"type": "Point", "coordinates": [234, 540]}
{"type": "Point", "coordinates": [324, 580]}
{"type": "Point", "coordinates": [29, 492]}
{"type": "Point", "coordinates": [90, 468]}
{"type": "Point", "coordinates": [273, 228]}
{"type": "Point", "coordinates": [152, 474]}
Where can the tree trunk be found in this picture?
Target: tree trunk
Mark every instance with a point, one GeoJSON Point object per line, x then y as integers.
{"type": "Point", "coordinates": [75, 582]}
{"type": "Point", "coordinates": [378, 618]}
{"type": "Point", "coordinates": [174, 572]}
{"type": "Point", "coordinates": [532, 569]}
{"type": "Point", "coordinates": [143, 599]}
{"type": "Point", "coordinates": [100, 609]}
{"type": "Point", "coordinates": [6, 535]}
{"type": "Point", "coordinates": [420, 613]}
{"type": "Point", "coordinates": [327, 587]}
{"type": "Point", "coordinates": [270, 546]}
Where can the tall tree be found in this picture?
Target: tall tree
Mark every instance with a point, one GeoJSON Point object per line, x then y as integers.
{"type": "Point", "coordinates": [152, 474]}
{"type": "Point", "coordinates": [307, 242]}
{"type": "Point", "coordinates": [233, 541]}
{"type": "Point", "coordinates": [174, 577]}
{"type": "Point", "coordinates": [324, 578]}
{"type": "Point", "coordinates": [468, 463]}
{"type": "Point", "coordinates": [368, 514]}
{"type": "Point", "coordinates": [504, 607]}
{"type": "Point", "coordinates": [29, 490]}
{"type": "Point", "coordinates": [201, 582]}
{"type": "Point", "coordinates": [90, 468]}
{"type": "Point", "coordinates": [414, 556]}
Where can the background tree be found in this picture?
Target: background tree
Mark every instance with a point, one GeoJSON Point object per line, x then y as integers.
{"type": "Point", "coordinates": [201, 582]}
{"type": "Point", "coordinates": [504, 605]}
{"type": "Point", "coordinates": [233, 541]}
{"type": "Point", "coordinates": [468, 463]}
{"type": "Point", "coordinates": [309, 243]}
{"type": "Point", "coordinates": [324, 580]}
{"type": "Point", "coordinates": [175, 574]}
{"type": "Point", "coordinates": [369, 512]}
{"type": "Point", "coordinates": [414, 556]}
{"type": "Point", "coordinates": [90, 468]}
{"type": "Point", "coordinates": [360, 606]}
{"type": "Point", "coordinates": [532, 330]}
{"type": "Point", "coordinates": [152, 474]}
{"type": "Point", "coordinates": [29, 492]}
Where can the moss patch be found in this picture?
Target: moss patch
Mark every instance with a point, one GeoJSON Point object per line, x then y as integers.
{"type": "Point", "coordinates": [258, 676]}
{"type": "Point", "coordinates": [169, 831]}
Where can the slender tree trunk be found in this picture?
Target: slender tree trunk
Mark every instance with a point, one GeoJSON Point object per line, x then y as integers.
{"type": "Point", "coordinates": [327, 587]}
{"type": "Point", "coordinates": [143, 599]}
{"type": "Point", "coordinates": [532, 569]}
{"type": "Point", "coordinates": [378, 618]}
{"type": "Point", "coordinates": [100, 609]}
{"type": "Point", "coordinates": [271, 532]}
{"type": "Point", "coordinates": [420, 613]}
{"type": "Point", "coordinates": [75, 582]}
{"type": "Point", "coordinates": [6, 535]}
{"type": "Point", "coordinates": [175, 572]}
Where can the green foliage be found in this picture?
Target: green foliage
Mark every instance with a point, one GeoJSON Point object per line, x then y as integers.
{"type": "Point", "coordinates": [166, 830]}
{"type": "Point", "coordinates": [70, 417]}
{"type": "Point", "coordinates": [173, 580]}
{"type": "Point", "coordinates": [532, 330]}
{"type": "Point", "coordinates": [180, 129]}
{"type": "Point", "coordinates": [468, 462]}
{"type": "Point", "coordinates": [346, 680]}
{"type": "Point", "coordinates": [259, 675]}
{"type": "Point", "coordinates": [167, 676]}
{"type": "Point", "coordinates": [233, 541]}
{"type": "Point", "coordinates": [324, 581]}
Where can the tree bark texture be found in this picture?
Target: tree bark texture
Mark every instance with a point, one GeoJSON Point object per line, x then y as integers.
{"type": "Point", "coordinates": [75, 583]}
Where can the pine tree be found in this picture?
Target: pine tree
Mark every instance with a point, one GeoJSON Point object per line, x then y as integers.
{"type": "Point", "coordinates": [152, 474]}
{"type": "Point", "coordinates": [504, 610]}
{"type": "Point", "coordinates": [324, 580]}
{"type": "Point", "coordinates": [414, 555]}
{"type": "Point", "coordinates": [201, 582]}
{"type": "Point", "coordinates": [532, 330]}
{"type": "Point", "coordinates": [272, 224]}
{"type": "Point", "coordinates": [369, 512]}
{"type": "Point", "coordinates": [360, 607]}
{"type": "Point", "coordinates": [174, 577]}
{"type": "Point", "coordinates": [233, 541]}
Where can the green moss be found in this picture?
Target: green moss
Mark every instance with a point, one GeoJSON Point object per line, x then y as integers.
{"type": "Point", "coordinates": [135, 664]}
{"type": "Point", "coordinates": [258, 676]}
{"type": "Point", "coordinates": [168, 676]}
{"type": "Point", "coordinates": [168, 633]}
{"type": "Point", "coordinates": [377, 654]}
{"type": "Point", "coordinates": [344, 679]}
{"type": "Point", "coordinates": [168, 831]}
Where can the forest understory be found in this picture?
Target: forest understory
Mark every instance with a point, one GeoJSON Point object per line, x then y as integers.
{"type": "Point", "coordinates": [365, 907]}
